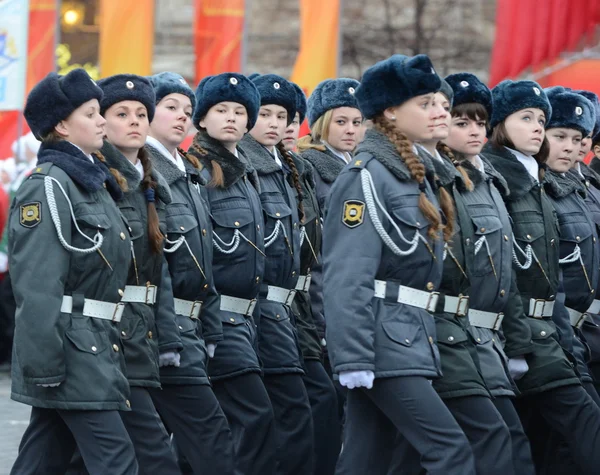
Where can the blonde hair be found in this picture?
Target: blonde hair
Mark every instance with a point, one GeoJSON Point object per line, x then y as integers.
{"type": "Point", "coordinates": [318, 132]}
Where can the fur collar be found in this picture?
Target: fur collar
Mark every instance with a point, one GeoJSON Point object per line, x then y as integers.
{"type": "Point", "coordinates": [590, 175]}
{"type": "Point", "coordinates": [518, 180]}
{"type": "Point", "coordinates": [490, 173]}
{"type": "Point", "coordinates": [207, 149]}
{"type": "Point", "coordinates": [558, 185]}
{"type": "Point", "coordinates": [90, 176]}
{"type": "Point", "coordinates": [327, 165]}
{"type": "Point", "coordinates": [263, 161]}
{"type": "Point", "coordinates": [384, 151]}
{"type": "Point", "coordinates": [305, 169]}
{"type": "Point", "coordinates": [169, 171]}
{"type": "Point", "coordinates": [116, 160]}
{"type": "Point", "coordinates": [445, 172]}
{"type": "Point", "coordinates": [595, 164]}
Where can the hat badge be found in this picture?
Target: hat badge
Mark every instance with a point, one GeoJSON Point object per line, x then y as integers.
{"type": "Point", "coordinates": [129, 85]}
{"type": "Point", "coordinates": [537, 91]}
{"type": "Point", "coordinates": [351, 90]}
{"type": "Point", "coordinates": [578, 110]}
{"type": "Point", "coordinates": [182, 81]}
{"type": "Point", "coordinates": [233, 81]}
{"type": "Point", "coordinates": [464, 84]}
{"type": "Point", "coordinates": [276, 85]}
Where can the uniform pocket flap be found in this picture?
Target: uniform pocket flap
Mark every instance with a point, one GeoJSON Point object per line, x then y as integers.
{"type": "Point", "coordinates": [481, 336]}
{"type": "Point", "coordinates": [486, 224]}
{"type": "Point", "coordinates": [410, 216]}
{"type": "Point", "coordinates": [232, 217]}
{"type": "Point", "coordinates": [234, 319]}
{"type": "Point", "coordinates": [180, 220]}
{"type": "Point", "coordinates": [93, 220]}
{"type": "Point", "coordinates": [186, 324]}
{"type": "Point", "coordinates": [534, 232]}
{"type": "Point", "coordinates": [403, 333]}
{"type": "Point", "coordinates": [87, 340]}
{"type": "Point", "coordinates": [449, 333]}
{"type": "Point", "coordinates": [276, 209]}
{"type": "Point", "coordinates": [574, 228]}
{"type": "Point", "coordinates": [541, 329]}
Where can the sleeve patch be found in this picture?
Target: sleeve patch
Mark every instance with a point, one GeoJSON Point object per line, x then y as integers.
{"type": "Point", "coordinates": [30, 214]}
{"type": "Point", "coordinates": [354, 213]}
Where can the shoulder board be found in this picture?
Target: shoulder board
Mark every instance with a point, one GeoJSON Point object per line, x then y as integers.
{"type": "Point", "coordinates": [360, 161]}
{"type": "Point", "coordinates": [42, 169]}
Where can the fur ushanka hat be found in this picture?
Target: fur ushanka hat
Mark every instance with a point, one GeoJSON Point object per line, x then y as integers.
{"type": "Point", "coordinates": [570, 110]}
{"type": "Point", "coordinates": [127, 87]}
{"type": "Point", "coordinates": [509, 97]}
{"type": "Point", "coordinates": [170, 83]}
{"type": "Point", "coordinates": [331, 94]}
{"type": "Point", "coordinates": [469, 89]}
{"type": "Point", "coordinates": [274, 89]}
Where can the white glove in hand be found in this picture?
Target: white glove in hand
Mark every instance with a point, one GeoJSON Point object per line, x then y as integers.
{"type": "Point", "coordinates": [210, 348]}
{"type": "Point", "coordinates": [170, 358]}
{"type": "Point", "coordinates": [357, 379]}
{"type": "Point", "coordinates": [517, 367]}
{"type": "Point", "coordinates": [53, 385]}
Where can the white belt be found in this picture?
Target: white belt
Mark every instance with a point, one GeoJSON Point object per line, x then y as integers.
{"type": "Point", "coordinates": [539, 308]}
{"type": "Point", "coordinates": [303, 283]}
{"type": "Point", "coordinates": [577, 318]}
{"type": "Point", "coordinates": [95, 308]}
{"type": "Point", "coordinates": [138, 293]}
{"type": "Point", "coordinates": [410, 296]}
{"type": "Point", "coordinates": [281, 295]}
{"type": "Point", "coordinates": [595, 307]}
{"type": "Point", "coordinates": [456, 305]}
{"type": "Point", "coordinates": [481, 319]}
{"type": "Point", "coordinates": [237, 305]}
{"type": "Point", "coordinates": [188, 308]}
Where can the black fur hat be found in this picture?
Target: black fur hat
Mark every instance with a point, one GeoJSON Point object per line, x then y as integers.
{"type": "Point", "coordinates": [593, 98]}
{"type": "Point", "coordinates": [570, 110]}
{"type": "Point", "coordinates": [331, 94]}
{"type": "Point", "coordinates": [274, 89]}
{"type": "Point", "coordinates": [469, 89]}
{"type": "Point", "coordinates": [169, 83]}
{"type": "Point", "coordinates": [127, 87]}
{"type": "Point", "coordinates": [55, 98]}
{"type": "Point", "coordinates": [509, 97]}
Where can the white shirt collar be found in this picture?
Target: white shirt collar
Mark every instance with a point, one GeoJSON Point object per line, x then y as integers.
{"type": "Point", "coordinates": [478, 163]}
{"type": "Point", "coordinates": [176, 160]}
{"type": "Point", "coordinates": [530, 164]}
{"type": "Point", "coordinates": [276, 156]}
{"type": "Point", "coordinates": [139, 167]}
{"type": "Point", "coordinates": [91, 159]}
{"type": "Point", "coordinates": [578, 168]}
{"type": "Point", "coordinates": [343, 155]}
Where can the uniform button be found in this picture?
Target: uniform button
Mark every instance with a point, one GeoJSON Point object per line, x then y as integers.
{"type": "Point", "coordinates": [277, 316]}
{"type": "Point", "coordinates": [257, 280]}
{"type": "Point", "coordinates": [232, 320]}
{"type": "Point", "coordinates": [594, 238]}
{"type": "Point", "coordinates": [116, 347]}
{"type": "Point", "coordinates": [277, 214]}
{"type": "Point", "coordinates": [450, 338]}
{"type": "Point", "coordinates": [150, 335]}
{"type": "Point", "coordinates": [505, 237]}
{"type": "Point", "coordinates": [468, 241]}
{"type": "Point", "coordinates": [127, 403]}
{"type": "Point", "coordinates": [205, 286]}
{"type": "Point", "coordinates": [130, 230]}
{"type": "Point", "coordinates": [258, 227]}
{"type": "Point", "coordinates": [237, 223]}
{"type": "Point", "coordinates": [121, 293]}
{"type": "Point", "coordinates": [493, 340]}
{"type": "Point", "coordinates": [542, 333]}
{"type": "Point", "coordinates": [552, 242]}
{"type": "Point", "coordinates": [104, 185]}
{"type": "Point", "coordinates": [551, 297]}
{"type": "Point", "coordinates": [431, 340]}
{"type": "Point", "coordinates": [204, 232]}
{"type": "Point", "coordinates": [502, 292]}
{"type": "Point", "coordinates": [180, 327]}
{"type": "Point", "coordinates": [430, 286]}
{"type": "Point", "coordinates": [528, 236]}
{"type": "Point", "coordinates": [418, 224]}
{"type": "Point", "coordinates": [482, 230]}
{"type": "Point", "coordinates": [577, 238]}
{"type": "Point", "coordinates": [182, 228]}
{"type": "Point", "coordinates": [593, 290]}
{"type": "Point", "coordinates": [94, 348]}
{"type": "Point", "coordinates": [407, 341]}
{"type": "Point", "coordinates": [478, 340]}
{"type": "Point", "coordinates": [122, 236]}
{"type": "Point", "coordinates": [295, 225]}
{"type": "Point", "coordinates": [293, 273]}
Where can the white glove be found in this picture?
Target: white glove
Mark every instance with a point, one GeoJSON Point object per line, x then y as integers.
{"type": "Point", "coordinates": [53, 385]}
{"type": "Point", "coordinates": [517, 367]}
{"type": "Point", "coordinates": [3, 263]}
{"type": "Point", "coordinates": [357, 379]}
{"type": "Point", "coordinates": [169, 358]}
{"type": "Point", "coordinates": [210, 348]}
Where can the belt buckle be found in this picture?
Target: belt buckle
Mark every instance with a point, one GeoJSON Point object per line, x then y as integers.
{"type": "Point", "coordinates": [307, 280]}
{"type": "Point", "coordinates": [197, 303]}
{"type": "Point", "coordinates": [432, 302]}
{"type": "Point", "coordinates": [496, 325]}
{"type": "Point", "coordinates": [118, 306]}
{"type": "Point", "coordinates": [148, 287]}
{"type": "Point", "coordinates": [461, 299]}
{"type": "Point", "coordinates": [535, 306]}
{"type": "Point", "coordinates": [290, 297]}
{"type": "Point", "coordinates": [250, 309]}
{"type": "Point", "coordinates": [581, 320]}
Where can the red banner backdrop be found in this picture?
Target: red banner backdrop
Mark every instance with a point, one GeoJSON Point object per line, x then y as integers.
{"type": "Point", "coordinates": [218, 35]}
{"type": "Point", "coordinates": [40, 61]}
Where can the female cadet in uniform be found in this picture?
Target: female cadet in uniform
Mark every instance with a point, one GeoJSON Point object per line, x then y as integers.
{"type": "Point", "coordinates": [186, 401]}
{"type": "Point", "coordinates": [383, 250]}
{"type": "Point", "coordinates": [319, 386]}
{"type": "Point", "coordinates": [69, 256]}
{"type": "Point", "coordinates": [277, 341]}
{"type": "Point", "coordinates": [551, 386]}
{"type": "Point", "coordinates": [227, 105]}
{"type": "Point", "coordinates": [128, 106]}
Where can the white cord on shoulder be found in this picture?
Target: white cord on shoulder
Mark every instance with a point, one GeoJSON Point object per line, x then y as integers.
{"type": "Point", "coordinates": [49, 189]}
{"type": "Point", "coordinates": [527, 254]}
{"type": "Point", "coordinates": [372, 200]}
{"type": "Point", "coordinates": [302, 235]}
{"type": "Point", "coordinates": [271, 238]}
{"type": "Point", "coordinates": [574, 256]}
{"type": "Point", "coordinates": [174, 244]}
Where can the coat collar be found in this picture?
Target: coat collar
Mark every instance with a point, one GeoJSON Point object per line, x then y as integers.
{"type": "Point", "coordinates": [327, 165]}
{"type": "Point", "coordinates": [445, 172]}
{"type": "Point", "coordinates": [518, 180]}
{"type": "Point", "coordinates": [115, 159]}
{"type": "Point", "coordinates": [168, 170]}
{"type": "Point", "coordinates": [590, 175]}
{"type": "Point", "coordinates": [489, 173]}
{"type": "Point", "coordinates": [90, 176]}
{"type": "Point", "coordinates": [379, 146]}
{"type": "Point", "coordinates": [263, 161]}
{"type": "Point", "coordinates": [559, 185]}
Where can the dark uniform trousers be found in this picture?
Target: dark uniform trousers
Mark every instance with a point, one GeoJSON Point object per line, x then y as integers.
{"type": "Point", "coordinates": [325, 415]}
{"type": "Point", "coordinates": [399, 408]}
{"type": "Point", "coordinates": [573, 414]}
{"type": "Point", "coordinates": [53, 434]}
{"type": "Point", "coordinates": [246, 405]}
{"type": "Point", "coordinates": [193, 415]}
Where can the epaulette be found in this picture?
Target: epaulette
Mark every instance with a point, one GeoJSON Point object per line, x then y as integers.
{"type": "Point", "coordinates": [360, 160]}
{"type": "Point", "coordinates": [41, 169]}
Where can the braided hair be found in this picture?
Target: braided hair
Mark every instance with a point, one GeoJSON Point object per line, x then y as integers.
{"type": "Point", "coordinates": [417, 170]}
{"type": "Point", "coordinates": [295, 177]}
{"type": "Point", "coordinates": [445, 150]}
{"type": "Point", "coordinates": [149, 185]}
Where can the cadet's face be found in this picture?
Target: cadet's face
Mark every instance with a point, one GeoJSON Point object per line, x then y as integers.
{"type": "Point", "coordinates": [127, 125]}
{"type": "Point", "coordinates": [415, 117]}
{"type": "Point", "coordinates": [290, 137]}
{"type": "Point", "coordinates": [586, 146]}
{"type": "Point", "coordinates": [270, 125]}
{"type": "Point", "coordinates": [442, 116]}
{"type": "Point", "coordinates": [466, 136]}
{"type": "Point", "coordinates": [564, 148]}
{"type": "Point", "coordinates": [226, 122]}
{"type": "Point", "coordinates": [525, 129]}
{"type": "Point", "coordinates": [84, 127]}
{"type": "Point", "coordinates": [344, 128]}
{"type": "Point", "coordinates": [172, 120]}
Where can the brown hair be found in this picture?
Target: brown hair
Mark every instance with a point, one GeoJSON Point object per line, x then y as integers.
{"type": "Point", "coordinates": [217, 178]}
{"type": "Point", "coordinates": [295, 177]}
{"type": "Point", "coordinates": [445, 150]}
{"type": "Point", "coordinates": [52, 136]}
{"type": "Point", "coordinates": [318, 132]}
{"type": "Point", "coordinates": [417, 170]}
{"type": "Point", "coordinates": [471, 110]}
{"type": "Point", "coordinates": [501, 139]}
{"type": "Point", "coordinates": [121, 181]}
{"type": "Point", "coordinates": [149, 183]}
